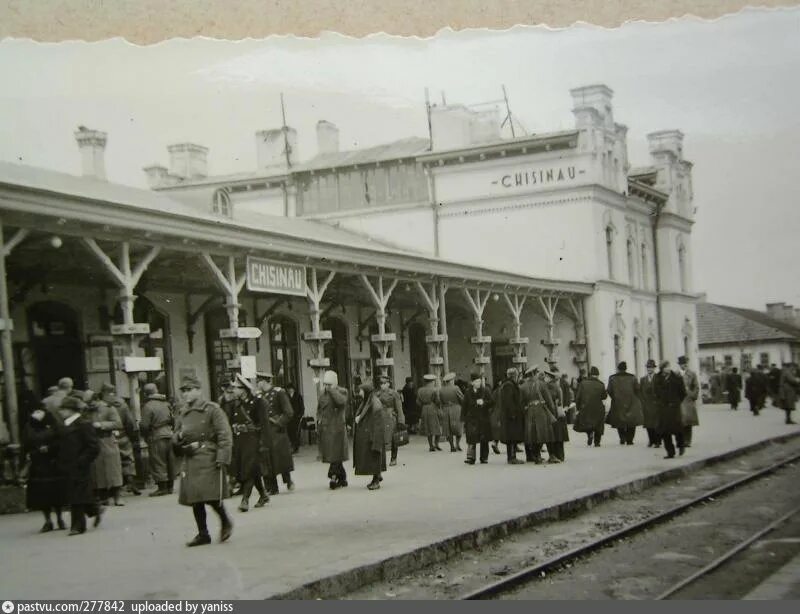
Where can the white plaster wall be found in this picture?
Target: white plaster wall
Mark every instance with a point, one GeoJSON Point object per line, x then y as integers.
{"type": "Point", "coordinates": [409, 228]}
{"type": "Point", "coordinates": [266, 202]}
{"type": "Point", "coordinates": [541, 239]}
{"type": "Point", "coordinates": [675, 313]}
{"type": "Point", "coordinates": [779, 352]}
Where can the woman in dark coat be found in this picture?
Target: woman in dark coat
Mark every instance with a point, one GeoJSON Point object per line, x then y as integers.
{"type": "Point", "coordinates": [45, 489]}
{"type": "Point", "coordinates": [369, 440]}
{"type": "Point", "coordinates": [476, 416]}
{"type": "Point", "coordinates": [78, 446]}
{"type": "Point", "coordinates": [591, 410]}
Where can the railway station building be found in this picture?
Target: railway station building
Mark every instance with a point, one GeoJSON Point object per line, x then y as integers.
{"type": "Point", "coordinates": [457, 252]}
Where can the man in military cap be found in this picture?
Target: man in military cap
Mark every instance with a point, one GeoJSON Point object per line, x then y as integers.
{"type": "Point", "coordinates": [508, 401]}
{"type": "Point", "coordinates": [393, 407]}
{"type": "Point", "coordinates": [251, 442]}
{"type": "Point", "coordinates": [156, 428]}
{"type": "Point", "coordinates": [278, 410]}
{"type": "Point", "coordinates": [203, 439]}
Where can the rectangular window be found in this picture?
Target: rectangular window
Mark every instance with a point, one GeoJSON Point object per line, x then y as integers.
{"type": "Point", "coordinates": [728, 359]}
{"type": "Point", "coordinates": [763, 359]}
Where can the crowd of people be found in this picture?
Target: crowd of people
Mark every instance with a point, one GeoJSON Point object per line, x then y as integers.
{"type": "Point", "coordinates": [779, 384]}
{"type": "Point", "coordinates": [80, 444]}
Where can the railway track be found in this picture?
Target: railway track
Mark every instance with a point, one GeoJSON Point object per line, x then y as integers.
{"type": "Point", "coordinates": [536, 571]}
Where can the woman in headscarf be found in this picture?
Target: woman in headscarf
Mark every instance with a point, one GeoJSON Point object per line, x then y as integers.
{"type": "Point", "coordinates": [45, 488]}
{"type": "Point", "coordinates": [369, 440]}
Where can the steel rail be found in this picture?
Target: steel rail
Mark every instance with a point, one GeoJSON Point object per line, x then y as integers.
{"type": "Point", "coordinates": [718, 562]}
{"type": "Point", "coordinates": [528, 573]}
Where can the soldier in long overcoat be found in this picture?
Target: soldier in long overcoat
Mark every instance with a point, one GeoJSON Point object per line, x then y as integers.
{"type": "Point", "coordinates": [789, 385]}
{"type": "Point", "coordinates": [298, 411]}
{"type": "Point", "coordinates": [540, 415]}
{"type": "Point", "coordinates": [279, 412]}
{"type": "Point", "coordinates": [429, 404]}
{"type": "Point", "coordinates": [647, 395]}
{"type": "Point", "coordinates": [124, 436]}
{"type": "Point", "coordinates": [332, 429]}
{"type": "Point", "coordinates": [475, 414]}
{"type": "Point", "coordinates": [451, 399]}
{"type": "Point", "coordinates": [555, 450]}
{"type": "Point", "coordinates": [393, 408]}
{"type": "Point", "coordinates": [689, 404]}
{"type": "Point", "coordinates": [670, 392]}
{"type": "Point", "coordinates": [107, 466]}
{"type": "Point", "coordinates": [591, 410]}
{"type": "Point", "coordinates": [250, 456]}
{"type": "Point", "coordinates": [508, 400]}
{"type": "Point", "coordinates": [156, 428]}
{"type": "Point", "coordinates": [45, 485]}
{"type": "Point", "coordinates": [369, 439]}
{"type": "Point", "coordinates": [203, 440]}
{"type": "Point", "coordinates": [78, 446]}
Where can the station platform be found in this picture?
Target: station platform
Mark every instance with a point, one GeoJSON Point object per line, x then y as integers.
{"type": "Point", "coordinates": [317, 542]}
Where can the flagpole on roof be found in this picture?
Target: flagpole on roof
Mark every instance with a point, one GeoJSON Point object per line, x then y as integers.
{"type": "Point", "coordinates": [428, 112]}
{"type": "Point", "coordinates": [508, 118]}
{"type": "Point", "coordinates": [285, 130]}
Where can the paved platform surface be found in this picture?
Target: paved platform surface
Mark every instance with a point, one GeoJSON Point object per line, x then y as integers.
{"type": "Point", "coordinates": [139, 551]}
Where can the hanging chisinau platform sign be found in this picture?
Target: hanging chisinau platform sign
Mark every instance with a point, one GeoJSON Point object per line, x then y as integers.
{"type": "Point", "coordinates": [275, 277]}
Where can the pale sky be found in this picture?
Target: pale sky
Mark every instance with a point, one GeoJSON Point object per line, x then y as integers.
{"type": "Point", "coordinates": [732, 86]}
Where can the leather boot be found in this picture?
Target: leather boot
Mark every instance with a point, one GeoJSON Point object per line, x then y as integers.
{"type": "Point", "coordinates": [201, 539]}
{"type": "Point", "coordinates": [262, 500]}
{"type": "Point", "coordinates": [245, 504]}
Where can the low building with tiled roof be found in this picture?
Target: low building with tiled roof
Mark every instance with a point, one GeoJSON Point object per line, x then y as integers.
{"type": "Point", "coordinates": [743, 338]}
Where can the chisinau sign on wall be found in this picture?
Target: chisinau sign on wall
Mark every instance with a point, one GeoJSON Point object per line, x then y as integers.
{"type": "Point", "coordinates": [527, 177]}
{"type": "Point", "coordinates": [275, 277]}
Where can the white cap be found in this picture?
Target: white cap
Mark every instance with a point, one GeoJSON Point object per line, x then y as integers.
{"type": "Point", "coordinates": [330, 377]}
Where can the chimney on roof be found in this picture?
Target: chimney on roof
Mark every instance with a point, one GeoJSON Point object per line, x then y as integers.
{"type": "Point", "coordinates": [592, 106]}
{"type": "Point", "coordinates": [92, 145]}
{"type": "Point", "coordinates": [271, 147]}
{"type": "Point", "coordinates": [188, 160]}
{"type": "Point", "coordinates": [327, 137]}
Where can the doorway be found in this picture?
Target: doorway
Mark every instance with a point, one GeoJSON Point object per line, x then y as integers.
{"type": "Point", "coordinates": [337, 350]}
{"type": "Point", "coordinates": [56, 343]}
{"type": "Point", "coordinates": [502, 359]}
{"type": "Point", "coordinates": [418, 350]}
{"type": "Point", "coordinates": [219, 351]}
{"type": "Point", "coordinates": [284, 352]}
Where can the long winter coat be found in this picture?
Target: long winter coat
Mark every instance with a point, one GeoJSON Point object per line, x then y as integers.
{"type": "Point", "coordinates": [476, 415]}
{"type": "Point", "coordinates": [125, 438]}
{"type": "Point", "coordinates": [626, 407]}
{"type": "Point", "coordinates": [250, 454]}
{"type": "Point", "coordinates": [451, 398]}
{"type": "Point", "coordinates": [45, 487]}
{"type": "Point", "coordinates": [332, 425]}
{"type": "Point", "coordinates": [78, 447]}
{"type": "Point", "coordinates": [369, 440]}
{"type": "Point", "coordinates": [392, 409]}
{"type": "Point", "coordinates": [789, 385]}
{"type": "Point", "coordinates": [280, 414]}
{"type": "Point", "coordinates": [560, 429]}
{"type": "Point", "coordinates": [202, 474]}
{"type": "Point", "coordinates": [647, 394]}
{"type": "Point", "coordinates": [755, 389]}
{"type": "Point", "coordinates": [429, 404]}
{"type": "Point", "coordinates": [589, 402]}
{"type": "Point", "coordinates": [689, 404]}
{"type": "Point", "coordinates": [107, 466]}
{"type": "Point", "coordinates": [509, 404]}
{"type": "Point", "coordinates": [670, 392]}
{"type": "Point", "coordinates": [540, 415]}
{"type": "Point", "coordinates": [734, 388]}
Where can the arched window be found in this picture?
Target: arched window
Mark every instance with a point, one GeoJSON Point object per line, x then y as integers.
{"type": "Point", "coordinates": [645, 281]}
{"type": "Point", "coordinates": [650, 348]}
{"type": "Point", "coordinates": [636, 355]}
{"type": "Point", "coordinates": [610, 250]}
{"type": "Point", "coordinates": [221, 203]}
{"type": "Point", "coordinates": [682, 266]}
{"type": "Point", "coordinates": [284, 351]}
{"type": "Point", "coordinates": [617, 349]}
{"type": "Point", "coordinates": [631, 265]}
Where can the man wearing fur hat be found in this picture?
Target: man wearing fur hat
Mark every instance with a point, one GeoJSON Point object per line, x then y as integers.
{"type": "Point", "coordinates": [251, 442]}
{"type": "Point", "coordinates": [156, 428]}
{"type": "Point", "coordinates": [332, 429]}
{"type": "Point", "coordinates": [279, 413]}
